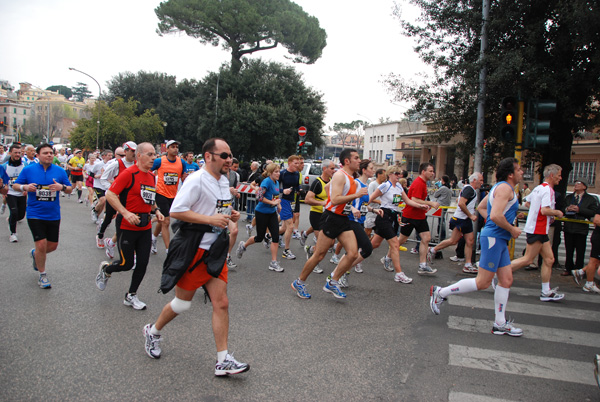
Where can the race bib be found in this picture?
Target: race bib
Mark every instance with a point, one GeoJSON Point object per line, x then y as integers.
{"type": "Point", "coordinates": [12, 181]}
{"type": "Point", "coordinates": [347, 209]}
{"type": "Point", "coordinates": [43, 193]}
{"type": "Point", "coordinates": [148, 194]}
{"type": "Point", "coordinates": [293, 205]}
{"type": "Point", "coordinates": [170, 179]}
{"type": "Point", "coordinates": [363, 209]}
{"type": "Point", "coordinates": [224, 207]}
{"type": "Point", "coordinates": [397, 199]}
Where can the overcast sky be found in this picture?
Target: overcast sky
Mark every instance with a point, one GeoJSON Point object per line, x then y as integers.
{"type": "Point", "coordinates": [43, 38]}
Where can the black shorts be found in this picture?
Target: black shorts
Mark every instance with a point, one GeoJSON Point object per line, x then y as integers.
{"type": "Point", "coordinates": [332, 225]}
{"type": "Point", "coordinates": [532, 238]}
{"type": "Point", "coordinates": [42, 229]}
{"type": "Point", "coordinates": [595, 253]}
{"type": "Point", "coordinates": [164, 204]}
{"type": "Point", "coordinates": [315, 220]}
{"type": "Point", "coordinates": [465, 226]}
{"type": "Point", "coordinates": [99, 192]}
{"type": "Point", "coordinates": [76, 178]}
{"type": "Point", "coordinates": [420, 225]}
{"type": "Point", "coordinates": [387, 226]}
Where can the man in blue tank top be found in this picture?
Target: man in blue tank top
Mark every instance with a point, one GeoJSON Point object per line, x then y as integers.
{"type": "Point", "coordinates": [499, 208]}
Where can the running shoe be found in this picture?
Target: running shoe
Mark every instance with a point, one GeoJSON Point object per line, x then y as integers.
{"type": "Point", "coordinates": [333, 288]}
{"type": "Point", "coordinates": [506, 329]}
{"type": "Point", "coordinates": [300, 289]}
{"type": "Point", "coordinates": [318, 270]}
{"type": "Point", "coordinates": [230, 263]}
{"type": "Point", "coordinates": [99, 242]}
{"type": "Point", "coordinates": [99, 226]}
{"type": "Point", "coordinates": [94, 215]}
{"type": "Point", "coordinates": [578, 276]}
{"type": "Point", "coordinates": [249, 230]}
{"type": "Point", "coordinates": [268, 241]}
{"type": "Point", "coordinates": [132, 300]}
{"type": "Point", "coordinates": [152, 344]}
{"type": "Point", "coordinates": [303, 237]}
{"type": "Point", "coordinates": [309, 251]}
{"type": "Point", "coordinates": [414, 250]}
{"type": "Point", "coordinates": [296, 235]}
{"type": "Point", "coordinates": [281, 242]}
{"type": "Point", "coordinates": [288, 255]}
{"type": "Point", "coordinates": [402, 278]}
{"type": "Point", "coordinates": [32, 252]}
{"type": "Point", "coordinates": [387, 263]}
{"type": "Point", "coordinates": [102, 276]}
{"type": "Point", "coordinates": [457, 259]}
{"type": "Point", "coordinates": [13, 238]}
{"type": "Point", "coordinates": [240, 250]}
{"type": "Point", "coordinates": [470, 269]}
{"type": "Point", "coordinates": [43, 282]}
{"type": "Point", "coordinates": [153, 248]}
{"type": "Point", "coordinates": [426, 270]}
{"type": "Point", "coordinates": [358, 268]}
{"type": "Point", "coordinates": [230, 366]}
{"type": "Point", "coordinates": [552, 295]}
{"type": "Point", "coordinates": [334, 259]}
{"type": "Point", "coordinates": [591, 289]}
{"type": "Point", "coordinates": [274, 266]}
{"type": "Point", "coordinates": [430, 254]}
{"type": "Point", "coordinates": [109, 248]}
{"type": "Point", "coordinates": [435, 300]}
{"type": "Point", "coordinates": [343, 282]}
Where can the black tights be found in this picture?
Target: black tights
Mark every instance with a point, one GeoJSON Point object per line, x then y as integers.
{"type": "Point", "coordinates": [17, 207]}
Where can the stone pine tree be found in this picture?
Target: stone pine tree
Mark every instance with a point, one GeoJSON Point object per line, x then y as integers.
{"type": "Point", "coordinates": [245, 26]}
{"type": "Point", "coordinates": [81, 92]}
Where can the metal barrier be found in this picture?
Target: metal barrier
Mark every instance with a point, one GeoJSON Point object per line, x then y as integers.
{"type": "Point", "coordinates": [247, 201]}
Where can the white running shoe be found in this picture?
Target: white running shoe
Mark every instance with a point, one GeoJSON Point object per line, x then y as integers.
{"type": "Point", "coordinates": [274, 266]}
{"type": "Point", "coordinates": [414, 250]}
{"type": "Point", "coordinates": [230, 263]}
{"type": "Point", "coordinates": [430, 254]}
{"type": "Point", "coordinates": [435, 300]}
{"type": "Point", "coordinates": [334, 259]}
{"type": "Point", "coordinates": [152, 344]}
{"type": "Point", "coordinates": [288, 255]}
{"type": "Point", "coordinates": [303, 237]}
{"type": "Point", "coordinates": [240, 250]}
{"type": "Point", "coordinates": [153, 248]}
{"type": "Point", "coordinates": [591, 289]}
{"type": "Point", "coordinates": [109, 248]}
{"type": "Point", "coordinates": [249, 230]}
{"type": "Point", "coordinates": [102, 276]}
{"type": "Point", "coordinates": [457, 259]}
{"type": "Point", "coordinates": [387, 263]}
{"type": "Point", "coordinates": [13, 238]}
{"type": "Point", "coordinates": [343, 282]}
{"type": "Point", "coordinates": [317, 270]}
{"type": "Point", "coordinates": [230, 366]}
{"type": "Point", "coordinates": [358, 268]}
{"type": "Point", "coordinates": [426, 270]}
{"type": "Point", "coordinates": [506, 329]}
{"type": "Point", "coordinates": [552, 295]}
{"type": "Point", "coordinates": [99, 242]}
{"type": "Point", "coordinates": [401, 277]}
{"type": "Point", "coordinates": [470, 269]}
{"type": "Point", "coordinates": [132, 300]}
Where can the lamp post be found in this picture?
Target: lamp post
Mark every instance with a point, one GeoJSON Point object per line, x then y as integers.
{"type": "Point", "coordinates": [412, 161]}
{"type": "Point", "coordinates": [97, 106]}
{"type": "Point", "coordinates": [373, 128]}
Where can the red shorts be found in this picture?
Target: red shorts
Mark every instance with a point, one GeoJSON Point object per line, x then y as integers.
{"type": "Point", "coordinates": [198, 277]}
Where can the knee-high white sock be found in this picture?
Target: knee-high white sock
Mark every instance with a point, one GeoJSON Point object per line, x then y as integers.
{"type": "Point", "coordinates": [500, 301]}
{"type": "Point", "coordinates": [462, 286]}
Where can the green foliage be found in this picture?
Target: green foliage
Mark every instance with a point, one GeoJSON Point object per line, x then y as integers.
{"type": "Point", "coordinates": [345, 130]}
{"type": "Point", "coordinates": [259, 110]}
{"type": "Point", "coordinates": [118, 124]}
{"type": "Point", "coordinates": [81, 92]}
{"type": "Point", "coordinates": [537, 49]}
{"type": "Point", "coordinates": [63, 90]}
{"type": "Point", "coordinates": [245, 26]}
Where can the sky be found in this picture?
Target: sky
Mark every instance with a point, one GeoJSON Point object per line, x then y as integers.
{"type": "Point", "coordinates": [43, 38]}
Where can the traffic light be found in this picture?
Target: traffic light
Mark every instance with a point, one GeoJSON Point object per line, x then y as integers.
{"type": "Point", "coordinates": [2, 125]}
{"type": "Point", "coordinates": [509, 119]}
{"type": "Point", "coordinates": [538, 123]}
{"type": "Point", "coordinates": [299, 147]}
{"type": "Point", "coordinates": [305, 147]}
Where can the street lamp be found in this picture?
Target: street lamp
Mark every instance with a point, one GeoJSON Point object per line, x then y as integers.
{"type": "Point", "coordinates": [412, 162]}
{"type": "Point", "coordinates": [97, 106]}
{"type": "Point", "coordinates": [373, 128]}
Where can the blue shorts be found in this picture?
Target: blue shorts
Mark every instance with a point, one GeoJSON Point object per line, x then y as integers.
{"type": "Point", "coordinates": [494, 253]}
{"type": "Point", "coordinates": [286, 210]}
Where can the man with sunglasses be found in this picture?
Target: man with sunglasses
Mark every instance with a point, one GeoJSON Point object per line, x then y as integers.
{"type": "Point", "coordinates": [169, 171]}
{"type": "Point", "coordinates": [125, 158]}
{"type": "Point", "coordinates": [132, 195]}
{"type": "Point", "coordinates": [204, 199]}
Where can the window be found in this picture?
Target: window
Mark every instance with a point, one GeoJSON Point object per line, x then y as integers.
{"type": "Point", "coordinates": [586, 170]}
{"type": "Point", "coordinates": [14, 110]}
{"type": "Point", "coordinates": [24, 111]}
{"type": "Point", "coordinates": [24, 120]}
{"type": "Point", "coordinates": [528, 171]}
{"type": "Point", "coordinates": [5, 110]}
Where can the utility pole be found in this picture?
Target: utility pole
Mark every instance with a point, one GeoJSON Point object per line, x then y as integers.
{"type": "Point", "coordinates": [478, 162]}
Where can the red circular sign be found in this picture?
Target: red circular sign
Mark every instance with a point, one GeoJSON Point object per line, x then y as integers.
{"type": "Point", "coordinates": [302, 131]}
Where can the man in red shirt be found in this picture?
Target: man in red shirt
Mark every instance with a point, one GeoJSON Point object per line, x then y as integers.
{"type": "Point", "coordinates": [414, 218]}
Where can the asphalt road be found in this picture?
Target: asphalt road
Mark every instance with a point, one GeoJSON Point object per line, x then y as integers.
{"type": "Point", "coordinates": [74, 342]}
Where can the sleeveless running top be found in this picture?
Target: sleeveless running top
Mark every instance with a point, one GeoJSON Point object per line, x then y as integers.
{"type": "Point", "coordinates": [349, 188]}
{"type": "Point", "coordinates": [510, 213]}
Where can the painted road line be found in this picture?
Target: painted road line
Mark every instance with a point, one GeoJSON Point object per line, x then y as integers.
{"type": "Point", "coordinates": [465, 397]}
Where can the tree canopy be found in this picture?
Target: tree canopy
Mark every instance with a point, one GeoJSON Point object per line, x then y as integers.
{"type": "Point", "coordinates": [537, 49]}
{"type": "Point", "coordinates": [81, 92]}
{"type": "Point", "coordinates": [63, 90]}
{"type": "Point", "coordinates": [245, 26]}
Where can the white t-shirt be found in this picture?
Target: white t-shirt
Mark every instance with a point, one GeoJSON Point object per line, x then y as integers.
{"type": "Point", "coordinates": [392, 195]}
{"type": "Point", "coordinates": [541, 196]}
{"type": "Point", "coordinates": [97, 170]}
{"type": "Point", "coordinates": [203, 194]}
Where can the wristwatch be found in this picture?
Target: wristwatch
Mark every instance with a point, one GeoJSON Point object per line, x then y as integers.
{"type": "Point", "coordinates": [64, 188]}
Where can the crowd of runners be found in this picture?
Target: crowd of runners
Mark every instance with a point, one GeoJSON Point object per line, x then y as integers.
{"type": "Point", "coordinates": [353, 208]}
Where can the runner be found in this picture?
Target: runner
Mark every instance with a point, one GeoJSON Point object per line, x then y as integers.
{"type": "Point", "coordinates": [499, 208]}
{"type": "Point", "coordinates": [75, 166]}
{"type": "Point", "coordinates": [99, 189]}
{"type": "Point", "coordinates": [132, 195]}
{"type": "Point", "coordinates": [296, 220]}
{"type": "Point", "coordinates": [380, 177]}
{"type": "Point", "coordinates": [43, 181]}
{"type": "Point", "coordinates": [203, 199]}
{"type": "Point", "coordinates": [592, 267]}
{"type": "Point", "coordinates": [16, 200]}
{"type": "Point", "coordinates": [89, 179]}
{"type": "Point", "coordinates": [289, 183]}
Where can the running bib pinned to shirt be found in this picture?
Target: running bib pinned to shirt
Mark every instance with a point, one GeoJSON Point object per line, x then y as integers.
{"type": "Point", "coordinates": [363, 209]}
{"type": "Point", "coordinates": [148, 194]}
{"type": "Point", "coordinates": [397, 199]}
{"type": "Point", "coordinates": [170, 178]}
{"type": "Point", "coordinates": [43, 193]}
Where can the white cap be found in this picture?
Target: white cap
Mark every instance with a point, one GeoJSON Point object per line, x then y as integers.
{"type": "Point", "coordinates": [129, 145]}
{"type": "Point", "coordinates": [171, 142]}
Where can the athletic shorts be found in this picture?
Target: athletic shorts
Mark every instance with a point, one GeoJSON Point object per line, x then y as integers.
{"type": "Point", "coordinates": [332, 225]}
{"type": "Point", "coordinates": [42, 229]}
{"type": "Point", "coordinates": [420, 225]}
{"type": "Point", "coordinates": [464, 226]}
{"type": "Point", "coordinates": [532, 238]}
{"type": "Point", "coordinates": [199, 277]}
{"type": "Point", "coordinates": [286, 210]}
{"type": "Point", "coordinates": [89, 182]}
{"type": "Point", "coordinates": [387, 226]}
{"type": "Point", "coordinates": [315, 220]}
{"type": "Point", "coordinates": [595, 253]}
{"type": "Point", "coordinates": [99, 192]}
{"type": "Point", "coordinates": [76, 178]}
{"type": "Point", "coordinates": [164, 204]}
{"type": "Point", "coordinates": [494, 253]}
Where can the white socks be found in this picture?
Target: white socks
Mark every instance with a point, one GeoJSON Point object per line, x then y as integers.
{"type": "Point", "coordinates": [462, 286]}
{"type": "Point", "coordinates": [221, 355]}
{"type": "Point", "coordinates": [500, 300]}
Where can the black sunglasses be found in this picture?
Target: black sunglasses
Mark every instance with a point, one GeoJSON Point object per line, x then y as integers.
{"type": "Point", "coordinates": [223, 155]}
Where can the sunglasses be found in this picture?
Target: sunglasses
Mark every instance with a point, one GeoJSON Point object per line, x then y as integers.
{"type": "Point", "coordinates": [223, 155]}
{"type": "Point", "coordinates": [398, 173]}
{"type": "Point", "coordinates": [121, 155]}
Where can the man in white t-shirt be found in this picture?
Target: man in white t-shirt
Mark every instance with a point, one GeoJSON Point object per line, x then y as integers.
{"type": "Point", "coordinates": [100, 189]}
{"type": "Point", "coordinates": [205, 199]}
{"type": "Point", "coordinates": [541, 212]}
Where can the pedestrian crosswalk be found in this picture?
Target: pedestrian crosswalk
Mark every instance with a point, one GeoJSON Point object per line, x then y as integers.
{"type": "Point", "coordinates": [578, 329]}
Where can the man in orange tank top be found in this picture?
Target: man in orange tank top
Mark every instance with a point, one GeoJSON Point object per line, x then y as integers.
{"type": "Point", "coordinates": [335, 224]}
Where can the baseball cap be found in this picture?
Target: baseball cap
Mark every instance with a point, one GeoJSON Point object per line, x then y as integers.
{"type": "Point", "coordinates": [171, 142]}
{"type": "Point", "coordinates": [77, 151]}
{"type": "Point", "coordinates": [129, 145]}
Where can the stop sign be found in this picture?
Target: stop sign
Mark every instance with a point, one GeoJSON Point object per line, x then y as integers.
{"type": "Point", "coordinates": [302, 131]}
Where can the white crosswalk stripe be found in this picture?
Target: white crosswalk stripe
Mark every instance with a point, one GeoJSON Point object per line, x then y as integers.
{"type": "Point", "coordinates": [464, 397]}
